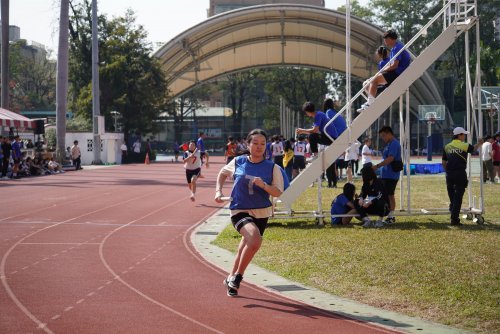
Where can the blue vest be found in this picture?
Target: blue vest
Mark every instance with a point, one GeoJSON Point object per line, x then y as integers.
{"type": "Point", "coordinates": [245, 195]}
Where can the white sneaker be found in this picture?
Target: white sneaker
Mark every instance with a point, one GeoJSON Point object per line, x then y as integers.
{"type": "Point", "coordinates": [192, 197]}
{"type": "Point", "coordinates": [363, 107]}
{"type": "Point", "coordinates": [379, 223]}
{"type": "Point", "coordinates": [367, 222]}
{"type": "Point", "coordinates": [312, 158]}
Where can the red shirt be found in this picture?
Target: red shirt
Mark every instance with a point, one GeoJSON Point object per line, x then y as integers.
{"type": "Point", "coordinates": [496, 151]}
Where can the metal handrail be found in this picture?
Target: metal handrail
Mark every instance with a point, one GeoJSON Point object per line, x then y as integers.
{"type": "Point", "coordinates": [422, 31]}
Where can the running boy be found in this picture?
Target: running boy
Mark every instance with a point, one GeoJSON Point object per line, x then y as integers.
{"type": "Point", "coordinates": [255, 180]}
{"type": "Point", "coordinates": [192, 164]}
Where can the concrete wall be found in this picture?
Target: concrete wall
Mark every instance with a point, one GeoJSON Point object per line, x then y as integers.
{"type": "Point", "coordinates": [110, 146]}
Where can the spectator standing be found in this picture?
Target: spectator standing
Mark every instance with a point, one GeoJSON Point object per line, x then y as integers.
{"type": "Point", "coordinates": [496, 156]}
{"type": "Point", "coordinates": [351, 155]}
{"type": "Point", "coordinates": [16, 155]}
{"type": "Point", "coordinates": [123, 148]}
{"type": "Point", "coordinates": [487, 156]}
{"type": "Point", "coordinates": [136, 147]}
{"type": "Point", "coordinates": [288, 159]}
{"type": "Point", "coordinates": [366, 153]}
{"type": "Point", "coordinates": [176, 150]}
{"type": "Point", "coordinates": [277, 151]}
{"type": "Point", "coordinates": [299, 160]}
{"type": "Point", "coordinates": [397, 66]}
{"type": "Point", "coordinates": [454, 162]}
{"type": "Point", "coordinates": [390, 178]}
{"type": "Point", "coordinates": [6, 150]}
{"type": "Point", "coordinates": [76, 155]}
{"type": "Point", "coordinates": [230, 149]}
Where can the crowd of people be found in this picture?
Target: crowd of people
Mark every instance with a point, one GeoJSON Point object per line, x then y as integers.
{"type": "Point", "coordinates": [19, 158]}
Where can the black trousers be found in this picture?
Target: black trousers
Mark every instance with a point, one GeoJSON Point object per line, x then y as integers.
{"type": "Point", "coordinates": [378, 207]}
{"type": "Point", "coordinates": [331, 175]}
{"type": "Point", "coordinates": [77, 163]}
{"type": "Point", "coordinates": [318, 138]}
{"type": "Point", "coordinates": [456, 183]}
{"type": "Point", "coordinates": [5, 166]}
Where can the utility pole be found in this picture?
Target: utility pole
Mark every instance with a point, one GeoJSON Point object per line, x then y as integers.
{"type": "Point", "coordinates": [95, 87]}
{"type": "Point", "coordinates": [5, 54]}
{"type": "Point", "coordinates": [62, 80]}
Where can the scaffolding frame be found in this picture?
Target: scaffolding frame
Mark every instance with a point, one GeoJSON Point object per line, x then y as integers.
{"type": "Point", "coordinates": [454, 12]}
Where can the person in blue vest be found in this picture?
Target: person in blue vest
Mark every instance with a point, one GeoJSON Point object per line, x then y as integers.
{"type": "Point", "coordinates": [343, 204]}
{"type": "Point", "coordinates": [454, 162]}
{"type": "Point", "coordinates": [339, 122]}
{"type": "Point", "coordinates": [389, 177]}
{"type": "Point", "coordinates": [317, 134]}
{"type": "Point", "coordinates": [397, 66]}
{"type": "Point", "coordinates": [256, 179]}
{"type": "Point", "coordinates": [16, 155]}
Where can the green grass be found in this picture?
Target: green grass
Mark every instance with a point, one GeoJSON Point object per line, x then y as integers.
{"type": "Point", "coordinates": [420, 266]}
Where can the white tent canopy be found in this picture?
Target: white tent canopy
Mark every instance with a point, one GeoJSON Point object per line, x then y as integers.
{"type": "Point", "coordinates": [274, 35]}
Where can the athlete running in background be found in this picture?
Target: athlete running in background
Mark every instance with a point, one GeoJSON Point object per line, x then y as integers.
{"type": "Point", "coordinates": [192, 164]}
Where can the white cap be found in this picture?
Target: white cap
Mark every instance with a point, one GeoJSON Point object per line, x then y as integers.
{"type": "Point", "coordinates": [459, 131]}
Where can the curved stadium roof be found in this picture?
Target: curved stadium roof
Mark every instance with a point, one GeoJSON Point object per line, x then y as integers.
{"type": "Point", "coordinates": [275, 35]}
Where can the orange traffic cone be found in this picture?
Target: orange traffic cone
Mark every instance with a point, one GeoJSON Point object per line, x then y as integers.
{"type": "Point", "coordinates": [146, 162]}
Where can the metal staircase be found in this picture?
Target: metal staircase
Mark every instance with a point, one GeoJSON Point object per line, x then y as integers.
{"type": "Point", "coordinates": [457, 25]}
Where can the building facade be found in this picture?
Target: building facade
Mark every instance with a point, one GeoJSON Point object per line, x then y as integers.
{"type": "Point", "coordinates": [220, 6]}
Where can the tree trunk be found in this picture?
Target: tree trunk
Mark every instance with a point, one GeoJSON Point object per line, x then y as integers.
{"type": "Point", "coordinates": [62, 80]}
{"type": "Point", "coordinates": [5, 54]}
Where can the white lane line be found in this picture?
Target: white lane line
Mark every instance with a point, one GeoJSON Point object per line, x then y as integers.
{"type": "Point", "coordinates": [60, 243]}
{"type": "Point", "coordinates": [109, 282]}
{"type": "Point", "coordinates": [69, 308]}
{"type": "Point", "coordinates": [12, 273]}
{"type": "Point", "coordinates": [57, 316]}
{"type": "Point", "coordinates": [80, 301]}
{"type": "Point", "coordinates": [90, 294]}
{"type": "Point", "coordinates": [3, 278]}
{"type": "Point", "coordinates": [101, 287]}
{"type": "Point", "coordinates": [140, 293]}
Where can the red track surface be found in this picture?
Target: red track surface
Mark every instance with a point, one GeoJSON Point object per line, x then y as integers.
{"type": "Point", "coordinates": [108, 251]}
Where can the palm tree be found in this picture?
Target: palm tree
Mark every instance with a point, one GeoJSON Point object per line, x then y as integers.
{"type": "Point", "coordinates": [62, 79]}
{"type": "Point", "coordinates": [5, 53]}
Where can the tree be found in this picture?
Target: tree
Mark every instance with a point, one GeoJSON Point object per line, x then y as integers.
{"type": "Point", "coordinates": [131, 81]}
{"type": "Point", "coordinates": [32, 78]}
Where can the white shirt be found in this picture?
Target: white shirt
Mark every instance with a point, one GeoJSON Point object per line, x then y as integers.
{"type": "Point", "coordinates": [300, 149]}
{"type": "Point", "coordinates": [123, 147]}
{"type": "Point", "coordinates": [277, 149]}
{"type": "Point", "coordinates": [486, 150]}
{"type": "Point", "coordinates": [365, 158]}
{"type": "Point", "coordinates": [192, 163]}
{"type": "Point", "coordinates": [352, 151]}
{"type": "Point", "coordinates": [137, 147]}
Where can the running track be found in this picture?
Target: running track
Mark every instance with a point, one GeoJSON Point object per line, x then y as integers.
{"type": "Point", "coordinates": [107, 251]}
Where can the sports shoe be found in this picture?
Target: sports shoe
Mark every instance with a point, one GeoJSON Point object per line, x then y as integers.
{"type": "Point", "coordinates": [192, 197]}
{"type": "Point", "coordinates": [379, 223]}
{"type": "Point", "coordinates": [367, 222]}
{"type": "Point", "coordinates": [363, 107]}
{"type": "Point", "coordinates": [390, 220]}
{"type": "Point", "coordinates": [234, 281]}
{"type": "Point", "coordinates": [230, 291]}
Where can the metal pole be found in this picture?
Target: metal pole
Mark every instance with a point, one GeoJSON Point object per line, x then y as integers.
{"type": "Point", "coordinates": [348, 64]}
{"type": "Point", "coordinates": [5, 54]}
{"type": "Point", "coordinates": [408, 148]}
{"type": "Point", "coordinates": [95, 86]}
{"type": "Point", "coordinates": [478, 89]}
{"type": "Point", "coordinates": [402, 139]}
{"type": "Point", "coordinates": [469, 125]}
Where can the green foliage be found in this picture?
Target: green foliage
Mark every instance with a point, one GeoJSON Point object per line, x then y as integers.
{"type": "Point", "coordinates": [79, 123]}
{"type": "Point", "coordinates": [131, 81]}
{"type": "Point", "coordinates": [32, 78]}
{"type": "Point", "coordinates": [51, 137]}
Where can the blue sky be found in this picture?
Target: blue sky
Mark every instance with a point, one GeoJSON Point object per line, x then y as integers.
{"type": "Point", "coordinates": [38, 19]}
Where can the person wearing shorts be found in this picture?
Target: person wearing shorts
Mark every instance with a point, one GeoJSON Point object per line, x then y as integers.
{"type": "Point", "coordinates": [496, 156]}
{"type": "Point", "coordinates": [255, 180]}
{"type": "Point", "coordinates": [299, 159]}
{"type": "Point", "coordinates": [390, 178]}
{"type": "Point", "coordinates": [192, 164]}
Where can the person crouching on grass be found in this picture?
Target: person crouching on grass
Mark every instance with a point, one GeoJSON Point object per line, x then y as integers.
{"type": "Point", "coordinates": [192, 164]}
{"type": "Point", "coordinates": [255, 180]}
